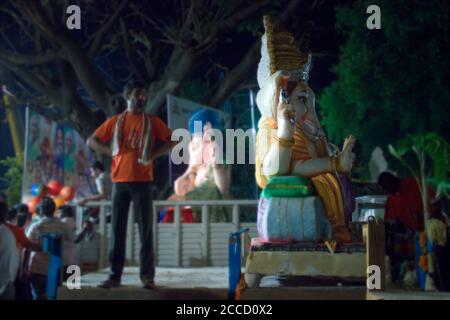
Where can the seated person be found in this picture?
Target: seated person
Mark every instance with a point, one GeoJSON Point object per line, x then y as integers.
{"type": "Point", "coordinates": [40, 261]}
{"type": "Point", "coordinates": [103, 186]}
{"type": "Point", "coordinates": [19, 232]}
{"type": "Point", "coordinates": [88, 246]}
{"type": "Point", "coordinates": [67, 215]}
{"type": "Point", "coordinates": [24, 217]}
{"type": "Point", "coordinates": [18, 217]}
{"type": "Point", "coordinates": [102, 183]}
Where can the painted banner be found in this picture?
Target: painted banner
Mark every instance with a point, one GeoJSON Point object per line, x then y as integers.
{"type": "Point", "coordinates": [55, 152]}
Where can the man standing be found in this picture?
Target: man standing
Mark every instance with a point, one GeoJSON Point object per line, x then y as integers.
{"type": "Point", "coordinates": [132, 135]}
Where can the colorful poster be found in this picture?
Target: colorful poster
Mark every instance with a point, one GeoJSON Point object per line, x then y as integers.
{"type": "Point", "coordinates": [55, 152]}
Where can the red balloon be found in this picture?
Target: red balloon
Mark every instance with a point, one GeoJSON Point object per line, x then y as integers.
{"type": "Point", "coordinates": [54, 187]}
{"type": "Point", "coordinates": [67, 193]}
{"type": "Point", "coordinates": [32, 204]}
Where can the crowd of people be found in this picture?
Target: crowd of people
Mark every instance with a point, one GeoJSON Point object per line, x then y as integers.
{"type": "Point", "coordinates": [24, 263]}
{"type": "Point", "coordinates": [404, 220]}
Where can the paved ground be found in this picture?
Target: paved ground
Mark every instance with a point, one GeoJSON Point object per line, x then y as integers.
{"type": "Point", "coordinates": [198, 277]}
{"type": "Point", "coordinates": [207, 283]}
{"type": "Point", "coordinates": [172, 284]}
{"type": "Point", "coordinates": [211, 283]}
{"type": "Point", "coordinates": [206, 277]}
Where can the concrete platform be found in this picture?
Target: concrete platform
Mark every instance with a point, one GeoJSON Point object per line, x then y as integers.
{"type": "Point", "coordinates": [208, 283]}
{"type": "Point", "coordinates": [204, 277]}
{"type": "Point", "coordinates": [172, 284]}
{"type": "Point", "coordinates": [211, 283]}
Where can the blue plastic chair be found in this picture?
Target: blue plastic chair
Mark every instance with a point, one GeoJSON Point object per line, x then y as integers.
{"type": "Point", "coordinates": [52, 244]}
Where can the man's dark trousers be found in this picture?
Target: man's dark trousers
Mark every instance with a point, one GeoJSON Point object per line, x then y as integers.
{"type": "Point", "coordinates": [123, 193]}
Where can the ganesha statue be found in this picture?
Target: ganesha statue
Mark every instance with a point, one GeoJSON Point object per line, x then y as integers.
{"type": "Point", "coordinates": [290, 139]}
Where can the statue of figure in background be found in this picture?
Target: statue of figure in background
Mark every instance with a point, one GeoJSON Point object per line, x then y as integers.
{"type": "Point", "coordinates": [204, 179]}
{"type": "Point", "coordinates": [290, 139]}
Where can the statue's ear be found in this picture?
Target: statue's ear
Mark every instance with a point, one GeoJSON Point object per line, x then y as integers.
{"type": "Point", "coordinates": [281, 79]}
{"type": "Point", "coordinates": [267, 96]}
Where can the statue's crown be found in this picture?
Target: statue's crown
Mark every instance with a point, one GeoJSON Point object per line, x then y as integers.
{"type": "Point", "coordinates": [279, 52]}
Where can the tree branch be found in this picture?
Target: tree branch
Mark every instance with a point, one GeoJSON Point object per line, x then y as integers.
{"type": "Point", "coordinates": [37, 83]}
{"type": "Point", "coordinates": [234, 78]}
{"type": "Point", "coordinates": [97, 43]}
{"type": "Point", "coordinates": [18, 20]}
{"type": "Point", "coordinates": [82, 117]}
{"type": "Point", "coordinates": [178, 67]}
{"type": "Point", "coordinates": [240, 15]}
{"type": "Point", "coordinates": [28, 60]}
{"type": "Point", "coordinates": [146, 54]}
{"type": "Point", "coordinates": [240, 73]}
{"type": "Point", "coordinates": [73, 53]}
{"type": "Point", "coordinates": [130, 52]}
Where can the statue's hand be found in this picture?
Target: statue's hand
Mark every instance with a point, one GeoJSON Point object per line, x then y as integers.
{"type": "Point", "coordinates": [286, 121]}
{"type": "Point", "coordinates": [346, 157]}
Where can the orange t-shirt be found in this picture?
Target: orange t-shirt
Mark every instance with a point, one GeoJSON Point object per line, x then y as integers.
{"type": "Point", "coordinates": [125, 166]}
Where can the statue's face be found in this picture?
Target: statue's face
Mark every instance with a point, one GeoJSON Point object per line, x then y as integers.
{"type": "Point", "coordinates": [302, 99]}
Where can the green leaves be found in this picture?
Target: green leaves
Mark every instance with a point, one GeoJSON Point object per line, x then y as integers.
{"type": "Point", "coordinates": [13, 177]}
{"type": "Point", "coordinates": [439, 151]}
{"type": "Point", "coordinates": [392, 81]}
{"type": "Point", "coordinates": [432, 146]}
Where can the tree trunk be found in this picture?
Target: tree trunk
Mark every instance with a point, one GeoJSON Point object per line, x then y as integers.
{"type": "Point", "coordinates": [180, 64]}
{"type": "Point", "coordinates": [221, 91]}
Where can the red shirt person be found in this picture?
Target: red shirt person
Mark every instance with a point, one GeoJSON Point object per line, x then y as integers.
{"type": "Point", "coordinates": [130, 138]}
{"type": "Point", "coordinates": [404, 202]}
{"type": "Point", "coordinates": [19, 231]}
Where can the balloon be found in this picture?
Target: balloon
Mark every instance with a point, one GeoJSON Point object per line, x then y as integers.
{"type": "Point", "coordinates": [59, 202]}
{"type": "Point", "coordinates": [34, 189]}
{"type": "Point", "coordinates": [38, 190]}
{"type": "Point", "coordinates": [54, 187]}
{"type": "Point", "coordinates": [32, 204]}
{"type": "Point", "coordinates": [67, 193]}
